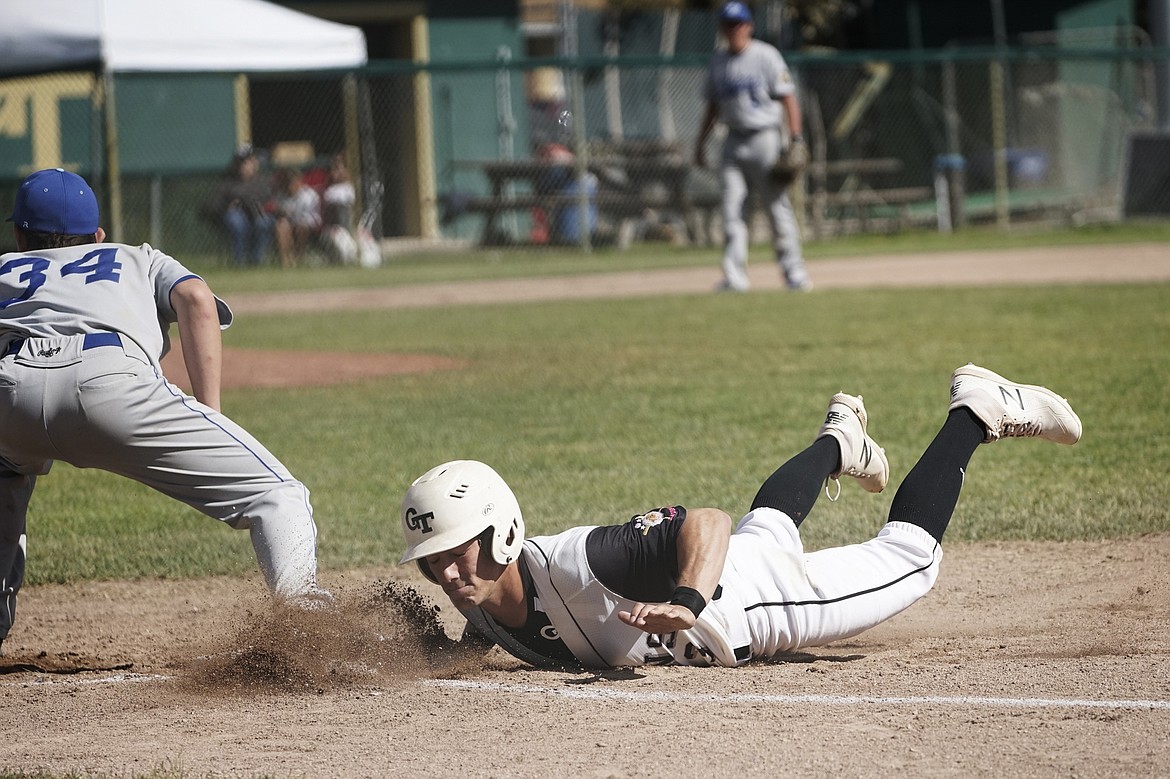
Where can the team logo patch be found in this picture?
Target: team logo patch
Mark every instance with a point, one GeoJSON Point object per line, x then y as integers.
{"type": "Point", "coordinates": [419, 522]}
{"type": "Point", "coordinates": [644, 522]}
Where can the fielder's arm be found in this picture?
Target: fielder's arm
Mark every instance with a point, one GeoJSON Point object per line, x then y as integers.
{"type": "Point", "coordinates": [709, 118]}
{"type": "Point", "coordinates": [795, 118]}
{"type": "Point", "coordinates": [200, 335]}
{"type": "Point", "coordinates": [702, 550]}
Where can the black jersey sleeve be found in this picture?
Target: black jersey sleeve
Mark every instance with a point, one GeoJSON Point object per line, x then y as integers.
{"type": "Point", "coordinates": [638, 559]}
{"type": "Point", "coordinates": [473, 640]}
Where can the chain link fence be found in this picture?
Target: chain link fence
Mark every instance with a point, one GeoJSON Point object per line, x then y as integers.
{"type": "Point", "coordinates": [592, 151]}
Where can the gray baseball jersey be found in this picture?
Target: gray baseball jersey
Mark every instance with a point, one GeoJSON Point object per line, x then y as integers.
{"type": "Point", "coordinates": [746, 88]}
{"type": "Point", "coordinates": [82, 330]}
{"type": "Point", "coordinates": [96, 288]}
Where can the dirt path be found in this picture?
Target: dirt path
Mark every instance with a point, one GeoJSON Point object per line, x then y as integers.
{"type": "Point", "coordinates": [1062, 265]}
{"type": "Point", "coordinates": [1028, 659]}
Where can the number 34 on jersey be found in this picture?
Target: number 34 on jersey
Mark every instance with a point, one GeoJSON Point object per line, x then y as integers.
{"type": "Point", "coordinates": [101, 264]}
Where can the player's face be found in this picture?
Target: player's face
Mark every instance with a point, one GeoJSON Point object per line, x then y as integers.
{"type": "Point", "coordinates": [738, 35]}
{"type": "Point", "coordinates": [468, 576]}
{"type": "Point", "coordinates": [249, 167]}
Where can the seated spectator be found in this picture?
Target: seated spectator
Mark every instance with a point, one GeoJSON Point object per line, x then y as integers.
{"type": "Point", "coordinates": [298, 219]}
{"type": "Point", "coordinates": [243, 205]}
{"type": "Point", "coordinates": [564, 222]}
{"type": "Point", "coordinates": [339, 198]}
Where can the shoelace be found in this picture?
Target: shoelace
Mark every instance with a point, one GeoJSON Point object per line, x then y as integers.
{"type": "Point", "coordinates": [1029, 429]}
{"type": "Point", "coordinates": [838, 483]}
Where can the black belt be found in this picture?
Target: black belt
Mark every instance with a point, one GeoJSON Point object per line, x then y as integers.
{"type": "Point", "coordinates": [91, 341]}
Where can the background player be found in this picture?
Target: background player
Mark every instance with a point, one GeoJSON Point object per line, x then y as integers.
{"type": "Point", "coordinates": [673, 585]}
{"type": "Point", "coordinates": [83, 325]}
{"type": "Point", "coordinates": [744, 83]}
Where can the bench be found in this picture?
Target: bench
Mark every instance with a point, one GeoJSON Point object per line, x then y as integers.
{"type": "Point", "coordinates": [629, 187]}
{"type": "Point", "coordinates": [843, 192]}
{"type": "Point", "coordinates": [621, 209]}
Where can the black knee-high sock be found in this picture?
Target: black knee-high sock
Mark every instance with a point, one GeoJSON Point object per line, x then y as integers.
{"type": "Point", "coordinates": [795, 486]}
{"type": "Point", "coordinates": [929, 493]}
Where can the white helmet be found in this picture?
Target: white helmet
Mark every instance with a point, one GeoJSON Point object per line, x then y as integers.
{"type": "Point", "coordinates": [455, 502]}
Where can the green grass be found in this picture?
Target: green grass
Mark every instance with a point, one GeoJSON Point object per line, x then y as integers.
{"type": "Point", "coordinates": [520, 263]}
{"type": "Point", "coordinates": [596, 410]}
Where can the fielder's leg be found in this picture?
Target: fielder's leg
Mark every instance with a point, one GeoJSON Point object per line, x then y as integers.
{"type": "Point", "coordinates": [15, 491]}
{"type": "Point", "coordinates": [192, 453]}
{"type": "Point", "coordinates": [735, 230]}
{"type": "Point", "coordinates": [786, 239]}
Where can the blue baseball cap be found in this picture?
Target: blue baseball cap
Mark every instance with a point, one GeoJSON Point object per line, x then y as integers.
{"type": "Point", "coordinates": [55, 201]}
{"type": "Point", "coordinates": [735, 12]}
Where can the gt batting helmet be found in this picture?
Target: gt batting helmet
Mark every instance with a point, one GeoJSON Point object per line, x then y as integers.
{"type": "Point", "coordinates": [455, 502]}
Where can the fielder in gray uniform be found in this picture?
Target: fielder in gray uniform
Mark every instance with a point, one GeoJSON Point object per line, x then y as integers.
{"type": "Point", "coordinates": [674, 585]}
{"type": "Point", "coordinates": [747, 83]}
{"type": "Point", "coordinates": [83, 325]}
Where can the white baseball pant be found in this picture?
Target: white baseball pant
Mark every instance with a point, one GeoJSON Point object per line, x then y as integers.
{"type": "Point", "coordinates": [792, 599]}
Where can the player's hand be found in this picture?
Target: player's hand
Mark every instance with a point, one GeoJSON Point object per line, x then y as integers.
{"type": "Point", "coordinates": [797, 154]}
{"type": "Point", "coordinates": [658, 617]}
{"type": "Point", "coordinates": [791, 163]}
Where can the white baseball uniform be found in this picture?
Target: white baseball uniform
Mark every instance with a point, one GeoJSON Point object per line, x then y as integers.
{"type": "Point", "coordinates": [82, 330]}
{"type": "Point", "coordinates": [772, 597]}
{"type": "Point", "coordinates": [746, 88]}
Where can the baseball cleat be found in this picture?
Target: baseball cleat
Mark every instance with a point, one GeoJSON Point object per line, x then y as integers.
{"type": "Point", "coordinates": [1011, 410]}
{"type": "Point", "coordinates": [727, 286]}
{"type": "Point", "coordinates": [314, 599]}
{"type": "Point", "coordinates": [861, 457]}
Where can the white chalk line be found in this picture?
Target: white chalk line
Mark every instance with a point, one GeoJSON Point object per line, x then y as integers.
{"type": "Point", "coordinates": [59, 679]}
{"type": "Point", "coordinates": [606, 693]}
{"type": "Point", "coordinates": [657, 696]}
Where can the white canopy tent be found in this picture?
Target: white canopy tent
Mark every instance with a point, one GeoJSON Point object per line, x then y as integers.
{"type": "Point", "coordinates": [171, 35]}
{"type": "Point", "coordinates": [165, 36]}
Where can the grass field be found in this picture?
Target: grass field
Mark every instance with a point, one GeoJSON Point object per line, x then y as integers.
{"type": "Point", "coordinates": [594, 411]}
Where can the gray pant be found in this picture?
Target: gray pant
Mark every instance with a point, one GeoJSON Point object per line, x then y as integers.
{"type": "Point", "coordinates": [744, 167]}
{"type": "Point", "coordinates": [109, 408]}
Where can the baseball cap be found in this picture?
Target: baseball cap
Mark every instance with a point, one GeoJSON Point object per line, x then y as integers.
{"type": "Point", "coordinates": [735, 12]}
{"type": "Point", "coordinates": [55, 201]}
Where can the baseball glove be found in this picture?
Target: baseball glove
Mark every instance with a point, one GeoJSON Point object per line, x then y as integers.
{"type": "Point", "coordinates": [791, 163]}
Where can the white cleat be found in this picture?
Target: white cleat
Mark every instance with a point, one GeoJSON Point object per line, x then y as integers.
{"type": "Point", "coordinates": [1011, 410]}
{"type": "Point", "coordinates": [727, 286]}
{"type": "Point", "coordinates": [861, 457]}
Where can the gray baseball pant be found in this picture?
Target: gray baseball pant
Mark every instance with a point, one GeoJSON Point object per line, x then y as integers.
{"type": "Point", "coordinates": [108, 408]}
{"type": "Point", "coordinates": [745, 165]}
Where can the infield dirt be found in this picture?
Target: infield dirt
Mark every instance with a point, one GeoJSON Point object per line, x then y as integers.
{"type": "Point", "coordinates": [1027, 659]}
